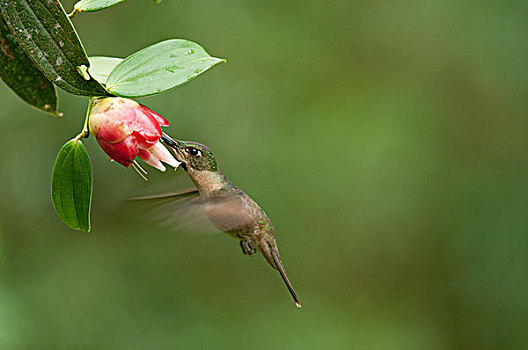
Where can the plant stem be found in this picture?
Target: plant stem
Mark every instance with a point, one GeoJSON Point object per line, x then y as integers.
{"type": "Point", "coordinates": [85, 130]}
{"type": "Point", "coordinates": [71, 14]}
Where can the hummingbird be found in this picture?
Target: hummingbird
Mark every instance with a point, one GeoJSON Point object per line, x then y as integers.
{"type": "Point", "coordinates": [227, 207]}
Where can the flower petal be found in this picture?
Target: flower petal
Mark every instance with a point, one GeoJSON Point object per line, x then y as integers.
{"type": "Point", "coordinates": [146, 128]}
{"type": "Point", "coordinates": [159, 119]}
{"type": "Point", "coordinates": [151, 160]}
{"type": "Point", "coordinates": [122, 152]}
{"type": "Point", "coordinates": [159, 151]}
{"type": "Point", "coordinates": [113, 119]}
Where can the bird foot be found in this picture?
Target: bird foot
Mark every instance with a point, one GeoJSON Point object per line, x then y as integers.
{"type": "Point", "coordinates": [247, 247]}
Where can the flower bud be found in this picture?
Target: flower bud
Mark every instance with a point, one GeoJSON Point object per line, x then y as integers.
{"type": "Point", "coordinates": [125, 129]}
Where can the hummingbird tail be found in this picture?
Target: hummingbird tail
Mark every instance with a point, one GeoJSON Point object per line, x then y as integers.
{"type": "Point", "coordinates": [273, 251]}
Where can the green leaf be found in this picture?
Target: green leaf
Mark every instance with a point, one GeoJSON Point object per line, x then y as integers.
{"type": "Point", "coordinates": [71, 185]}
{"type": "Point", "coordinates": [159, 67]}
{"type": "Point", "coordinates": [94, 5]}
{"type": "Point", "coordinates": [100, 67]}
{"type": "Point", "coordinates": [48, 37]}
{"type": "Point", "coordinates": [20, 74]}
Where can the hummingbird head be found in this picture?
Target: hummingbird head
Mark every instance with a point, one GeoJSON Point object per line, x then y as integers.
{"type": "Point", "coordinates": [193, 155]}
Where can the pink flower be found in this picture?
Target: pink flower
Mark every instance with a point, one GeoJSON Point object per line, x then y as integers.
{"type": "Point", "coordinates": [125, 129]}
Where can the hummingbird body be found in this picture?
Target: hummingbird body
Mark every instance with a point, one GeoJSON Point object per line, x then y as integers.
{"type": "Point", "coordinates": [228, 208]}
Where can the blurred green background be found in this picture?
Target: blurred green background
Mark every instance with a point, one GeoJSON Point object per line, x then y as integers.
{"type": "Point", "coordinates": [386, 140]}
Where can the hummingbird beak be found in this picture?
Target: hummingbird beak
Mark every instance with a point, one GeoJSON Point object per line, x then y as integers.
{"type": "Point", "coordinates": [176, 147]}
{"type": "Point", "coordinates": [169, 141]}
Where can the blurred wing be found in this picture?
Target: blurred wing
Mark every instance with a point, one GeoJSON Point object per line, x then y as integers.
{"type": "Point", "coordinates": [178, 211]}
{"type": "Point", "coordinates": [192, 192]}
{"type": "Point", "coordinates": [187, 211]}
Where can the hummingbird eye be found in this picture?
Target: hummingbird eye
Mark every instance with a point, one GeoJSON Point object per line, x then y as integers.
{"type": "Point", "coordinates": [193, 151]}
